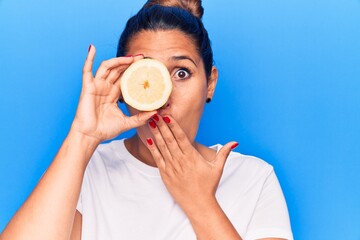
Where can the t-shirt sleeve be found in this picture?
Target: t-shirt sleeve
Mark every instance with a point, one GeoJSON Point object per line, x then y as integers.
{"type": "Point", "coordinates": [79, 205]}
{"type": "Point", "coordinates": [271, 217]}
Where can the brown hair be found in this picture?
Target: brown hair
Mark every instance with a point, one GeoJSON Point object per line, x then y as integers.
{"type": "Point", "coordinates": [182, 15]}
{"type": "Point", "coordinates": [192, 6]}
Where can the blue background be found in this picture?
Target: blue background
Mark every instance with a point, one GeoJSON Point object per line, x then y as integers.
{"type": "Point", "coordinates": [288, 92]}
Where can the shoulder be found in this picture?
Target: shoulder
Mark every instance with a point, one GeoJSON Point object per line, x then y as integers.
{"type": "Point", "coordinates": [245, 168]}
{"type": "Point", "coordinates": [242, 161]}
{"type": "Point", "coordinates": [239, 160]}
{"type": "Point", "coordinates": [250, 170]}
{"type": "Point", "coordinates": [110, 148]}
{"type": "Point", "coordinates": [107, 155]}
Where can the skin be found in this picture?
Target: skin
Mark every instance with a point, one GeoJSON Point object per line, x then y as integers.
{"type": "Point", "coordinates": [50, 211]}
{"type": "Point", "coordinates": [187, 100]}
{"type": "Point", "coordinates": [186, 167]}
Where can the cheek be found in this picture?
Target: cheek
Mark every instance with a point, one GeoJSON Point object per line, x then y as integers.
{"type": "Point", "coordinates": [188, 102]}
{"type": "Point", "coordinates": [190, 94]}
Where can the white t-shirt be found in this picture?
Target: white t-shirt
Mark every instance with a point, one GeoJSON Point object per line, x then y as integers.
{"type": "Point", "coordinates": [123, 198]}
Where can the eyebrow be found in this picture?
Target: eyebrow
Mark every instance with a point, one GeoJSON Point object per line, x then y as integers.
{"type": "Point", "coordinates": [183, 57]}
{"type": "Point", "coordinates": [178, 58]}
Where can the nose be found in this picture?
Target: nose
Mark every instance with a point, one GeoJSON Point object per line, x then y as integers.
{"type": "Point", "coordinates": [166, 106]}
{"type": "Point", "coordinates": [167, 103]}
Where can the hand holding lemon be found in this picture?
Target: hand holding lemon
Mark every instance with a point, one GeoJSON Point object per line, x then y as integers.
{"type": "Point", "coordinates": [98, 116]}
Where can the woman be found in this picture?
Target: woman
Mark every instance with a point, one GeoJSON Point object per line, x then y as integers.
{"type": "Point", "coordinates": [160, 183]}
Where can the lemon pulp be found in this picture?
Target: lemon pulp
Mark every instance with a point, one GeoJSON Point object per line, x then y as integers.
{"type": "Point", "coordinates": [146, 85]}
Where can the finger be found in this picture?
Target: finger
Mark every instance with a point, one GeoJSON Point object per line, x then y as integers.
{"type": "Point", "coordinates": [107, 65]}
{"type": "Point", "coordinates": [168, 136]}
{"type": "Point", "coordinates": [159, 160]}
{"type": "Point", "coordinates": [115, 73]}
{"type": "Point", "coordinates": [137, 120]}
{"type": "Point", "coordinates": [87, 69]}
{"type": "Point", "coordinates": [170, 157]}
{"type": "Point", "coordinates": [223, 154]}
{"type": "Point", "coordinates": [181, 138]}
{"type": "Point", "coordinates": [138, 57]}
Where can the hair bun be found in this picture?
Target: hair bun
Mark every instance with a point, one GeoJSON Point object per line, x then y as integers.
{"type": "Point", "coordinates": [192, 6]}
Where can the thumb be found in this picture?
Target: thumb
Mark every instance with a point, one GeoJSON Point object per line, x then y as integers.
{"type": "Point", "coordinates": [224, 152]}
{"type": "Point", "coordinates": [138, 120]}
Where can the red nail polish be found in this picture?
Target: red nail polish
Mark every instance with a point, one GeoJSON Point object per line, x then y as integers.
{"type": "Point", "coordinates": [234, 146]}
{"type": "Point", "coordinates": [129, 55]}
{"type": "Point", "coordinates": [89, 48]}
{"type": "Point", "coordinates": [156, 117]}
{"type": "Point", "coordinates": [152, 124]}
{"type": "Point", "coordinates": [149, 141]}
{"type": "Point", "coordinates": [139, 55]}
{"type": "Point", "coordinates": [167, 119]}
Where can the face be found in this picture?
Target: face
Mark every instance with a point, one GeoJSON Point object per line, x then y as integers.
{"type": "Point", "coordinates": [190, 86]}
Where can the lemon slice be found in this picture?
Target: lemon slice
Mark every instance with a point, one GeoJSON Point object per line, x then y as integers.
{"type": "Point", "coordinates": [146, 85]}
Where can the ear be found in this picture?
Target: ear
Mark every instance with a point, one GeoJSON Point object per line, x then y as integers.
{"type": "Point", "coordinates": [212, 82]}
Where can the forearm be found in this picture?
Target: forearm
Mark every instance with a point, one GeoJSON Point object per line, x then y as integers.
{"type": "Point", "coordinates": [210, 222]}
{"type": "Point", "coordinates": [49, 211]}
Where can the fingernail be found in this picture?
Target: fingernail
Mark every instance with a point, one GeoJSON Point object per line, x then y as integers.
{"type": "Point", "coordinates": [129, 55]}
{"type": "Point", "coordinates": [149, 141]}
{"type": "Point", "coordinates": [156, 117]}
{"type": "Point", "coordinates": [152, 124]}
{"type": "Point", "coordinates": [167, 119]}
{"type": "Point", "coordinates": [139, 55]}
{"type": "Point", "coordinates": [89, 48]}
{"type": "Point", "coordinates": [234, 146]}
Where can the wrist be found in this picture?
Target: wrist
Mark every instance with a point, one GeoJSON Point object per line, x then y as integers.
{"type": "Point", "coordinates": [209, 221]}
{"type": "Point", "coordinates": [82, 142]}
{"type": "Point", "coordinates": [77, 134]}
{"type": "Point", "coordinates": [197, 207]}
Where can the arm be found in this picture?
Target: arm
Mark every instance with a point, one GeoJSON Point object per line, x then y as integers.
{"type": "Point", "coordinates": [49, 211]}
{"type": "Point", "coordinates": [187, 174]}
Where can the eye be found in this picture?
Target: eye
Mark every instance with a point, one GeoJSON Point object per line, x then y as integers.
{"type": "Point", "coordinates": [182, 74]}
